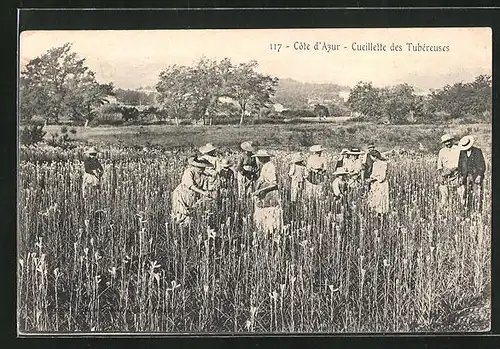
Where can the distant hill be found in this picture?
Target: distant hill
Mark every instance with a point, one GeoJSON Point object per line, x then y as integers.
{"type": "Point", "coordinates": [296, 94]}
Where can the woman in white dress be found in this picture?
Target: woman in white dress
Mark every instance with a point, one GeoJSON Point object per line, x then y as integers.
{"type": "Point", "coordinates": [315, 173]}
{"type": "Point", "coordinates": [378, 195]}
{"type": "Point", "coordinates": [189, 191]}
{"type": "Point", "coordinates": [268, 214]}
{"type": "Point", "coordinates": [297, 174]}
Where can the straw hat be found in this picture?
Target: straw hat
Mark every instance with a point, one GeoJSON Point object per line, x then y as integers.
{"type": "Point", "coordinates": [207, 148]}
{"type": "Point", "coordinates": [340, 171]}
{"type": "Point", "coordinates": [197, 162]}
{"type": "Point", "coordinates": [225, 163]}
{"type": "Point", "coordinates": [316, 148]}
{"type": "Point", "coordinates": [248, 146]}
{"type": "Point", "coordinates": [344, 151]}
{"type": "Point", "coordinates": [261, 153]}
{"type": "Point", "coordinates": [354, 151]}
{"type": "Point", "coordinates": [466, 142]}
{"type": "Point", "coordinates": [371, 146]}
{"type": "Point", "coordinates": [447, 137]}
{"type": "Point", "coordinates": [91, 150]}
{"type": "Point", "coordinates": [296, 157]}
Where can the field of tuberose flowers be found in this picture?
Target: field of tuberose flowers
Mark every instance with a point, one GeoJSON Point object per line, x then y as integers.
{"type": "Point", "coordinates": [118, 263]}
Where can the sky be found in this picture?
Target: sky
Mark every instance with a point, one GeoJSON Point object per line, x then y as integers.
{"type": "Point", "coordinates": [132, 59]}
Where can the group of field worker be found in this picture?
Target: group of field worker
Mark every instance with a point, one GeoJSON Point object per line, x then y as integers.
{"type": "Point", "coordinates": [461, 167]}
{"type": "Point", "coordinates": [254, 176]}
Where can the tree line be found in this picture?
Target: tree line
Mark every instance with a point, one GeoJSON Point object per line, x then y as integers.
{"type": "Point", "coordinates": [400, 104]}
{"type": "Point", "coordinates": [58, 85]}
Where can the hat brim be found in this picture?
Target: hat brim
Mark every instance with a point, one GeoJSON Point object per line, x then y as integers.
{"type": "Point", "coordinates": [199, 164]}
{"type": "Point", "coordinates": [248, 148]}
{"type": "Point", "coordinates": [447, 140]}
{"type": "Point", "coordinates": [340, 173]}
{"type": "Point", "coordinates": [207, 150]}
{"type": "Point", "coordinates": [261, 155]}
{"type": "Point", "coordinates": [469, 144]}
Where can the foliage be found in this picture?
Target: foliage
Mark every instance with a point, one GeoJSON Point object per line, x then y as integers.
{"type": "Point", "coordinates": [196, 92]}
{"type": "Point", "coordinates": [59, 84]}
{"type": "Point", "coordinates": [321, 111]}
{"type": "Point", "coordinates": [298, 113]}
{"type": "Point", "coordinates": [400, 104]}
{"type": "Point", "coordinates": [248, 88]}
{"type": "Point", "coordinates": [366, 99]}
{"type": "Point", "coordinates": [337, 110]}
{"type": "Point", "coordinates": [462, 99]}
{"type": "Point", "coordinates": [130, 113]}
{"type": "Point", "coordinates": [31, 134]}
{"type": "Point", "coordinates": [134, 97]}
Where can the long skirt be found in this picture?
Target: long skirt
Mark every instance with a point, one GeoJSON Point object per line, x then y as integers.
{"type": "Point", "coordinates": [378, 197]}
{"type": "Point", "coordinates": [268, 220]}
{"type": "Point", "coordinates": [244, 185]}
{"type": "Point", "coordinates": [183, 200]}
{"type": "Point", "coordinates": [90, 184]}
{"type": "Point", "coordinates": [296, 188]}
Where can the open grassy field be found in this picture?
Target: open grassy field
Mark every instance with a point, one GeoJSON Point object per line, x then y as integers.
{"type": "Point", "coordinates": [282, 136]}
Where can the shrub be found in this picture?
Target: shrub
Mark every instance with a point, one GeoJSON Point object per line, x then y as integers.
{"type": "Point", "coordinates": [298, 113]}
{"type": "Point", "coordinates": [351, 129]}
{"type": "Point", "coordinates": [31, 134]}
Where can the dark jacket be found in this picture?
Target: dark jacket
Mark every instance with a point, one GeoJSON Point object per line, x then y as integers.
{"type": "Point", "coordinates": [247, 160]}
{"type": "Point", "coordinates": [469, 167]}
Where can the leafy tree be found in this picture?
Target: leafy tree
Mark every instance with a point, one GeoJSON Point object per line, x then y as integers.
{"type": "Point", "coordinates": [461, 99]}
{"type": "Point", "coordinates": [249, 88]}
{"type": "Point", "coordinates": [366, 100]}
{"type": "Point", "coordinates": [130, 113]}
{"type": "Point", "coordinates": [174, 92]}
{"type": "Point", "coordinates": [59, 84]}
{"type": "Point", "coordinates": [321, 111]}
{"type": "Point", "coordinates": [196, 92]}
{"type": "Point", "coordinates": [134, 97]}
{"type": "Point", "coordinates": [400, 103]}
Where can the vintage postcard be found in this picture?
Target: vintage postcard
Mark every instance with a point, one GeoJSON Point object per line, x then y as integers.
{"type": "Point", "coordinates": [254, 181]}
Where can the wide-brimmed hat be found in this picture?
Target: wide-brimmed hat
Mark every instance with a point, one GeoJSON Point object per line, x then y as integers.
{"type": "Point", "coordinates": [91, 150]}
{"type": "Point", "coordinates": [225, 163]}
{"type": "Point", "coordinates": [340, 171]}
{"type": "Point", "coordinates": [447, 137]}
{"type": "Point", "coordinates": [344, 151]}
{"type": "Point", "coordinates": [248, 146]}
{"type": "Point", "coordinates": [354, 151]}
{"type": "Point", "coordinates": [207, 148]}
{"type": "Point", "coordinates": [296, 157]}
{"type": "Point", "coordinates": [261, 153]}
{"type": "Point", "coordinates": [466, 142]}
{"type": "Point", "coordinates": [371, 145]}
{"type": "Point", "coordinates": [198, 162]}
{"type": "Point", "coordinates": [316, 148]}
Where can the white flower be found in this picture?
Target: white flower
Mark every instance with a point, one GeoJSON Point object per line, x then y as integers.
{"type": "Point", "coordinates": [112, 271]}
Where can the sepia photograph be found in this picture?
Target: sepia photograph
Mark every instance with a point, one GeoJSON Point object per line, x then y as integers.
{"type": "Point", "coordinates": [254, 181]}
